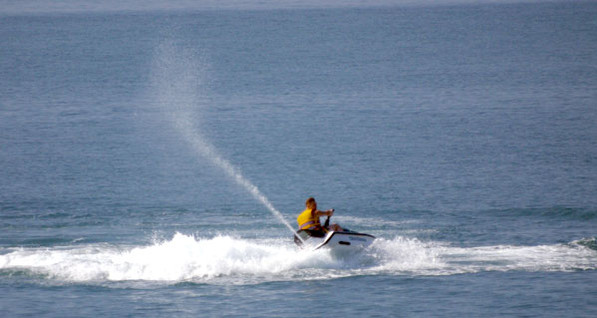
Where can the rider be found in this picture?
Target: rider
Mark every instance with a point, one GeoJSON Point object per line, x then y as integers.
{"type": "Point", "coordinates": [309, 219]}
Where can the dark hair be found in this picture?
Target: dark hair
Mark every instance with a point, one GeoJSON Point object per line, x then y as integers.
{"type": "Point", "coordinates": [310, 201]}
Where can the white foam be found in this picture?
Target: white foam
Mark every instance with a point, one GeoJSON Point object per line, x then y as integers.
{"type": "Point", "coordinates": [411, 256]}
{"type": "Point", "coordinates": [228, 260]}
{"type": "Point", "coordinates": [406, 256]}
{"type": "Point", "coordinates": [183, 258]}
{"type": "Point", "coordinates": [558, 257]}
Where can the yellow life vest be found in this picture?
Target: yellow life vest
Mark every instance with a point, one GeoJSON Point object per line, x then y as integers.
{"type": "Point", "coordinates": [307, 221]}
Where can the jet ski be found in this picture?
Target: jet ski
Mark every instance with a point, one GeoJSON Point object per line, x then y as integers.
{"type": "Point", "coordinates": [345, 240]}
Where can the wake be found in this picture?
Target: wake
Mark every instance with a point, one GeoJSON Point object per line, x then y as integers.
{"type": "Point", "coordinates": [229, 260]}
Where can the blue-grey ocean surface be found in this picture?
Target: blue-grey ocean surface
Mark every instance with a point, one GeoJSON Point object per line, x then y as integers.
{"type": "Point", "coordinates": [153, 159]}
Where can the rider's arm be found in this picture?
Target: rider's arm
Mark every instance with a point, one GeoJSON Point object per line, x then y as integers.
{"type": "Point", "coordinates": [329, 212]}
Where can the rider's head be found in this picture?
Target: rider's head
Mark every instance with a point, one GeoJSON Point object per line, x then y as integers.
{"type": "Point", "coordinates": [311, 204]}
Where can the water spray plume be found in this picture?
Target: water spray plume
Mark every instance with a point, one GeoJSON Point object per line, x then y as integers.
{"type": "Point", "coordinates": [198, 143]}
{"type": "Point", "coordinates": [177, 81]}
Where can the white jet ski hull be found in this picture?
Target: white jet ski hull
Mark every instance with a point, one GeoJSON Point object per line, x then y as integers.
{"type": "Point", "coordinates": [346, 240]}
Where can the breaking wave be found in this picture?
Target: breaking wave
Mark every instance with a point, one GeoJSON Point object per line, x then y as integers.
{"type": "Point", "coordinates": [229, 260]}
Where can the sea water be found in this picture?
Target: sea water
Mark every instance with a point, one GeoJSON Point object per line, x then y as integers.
{"type": "Point", "coordinates": [153, 159]}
